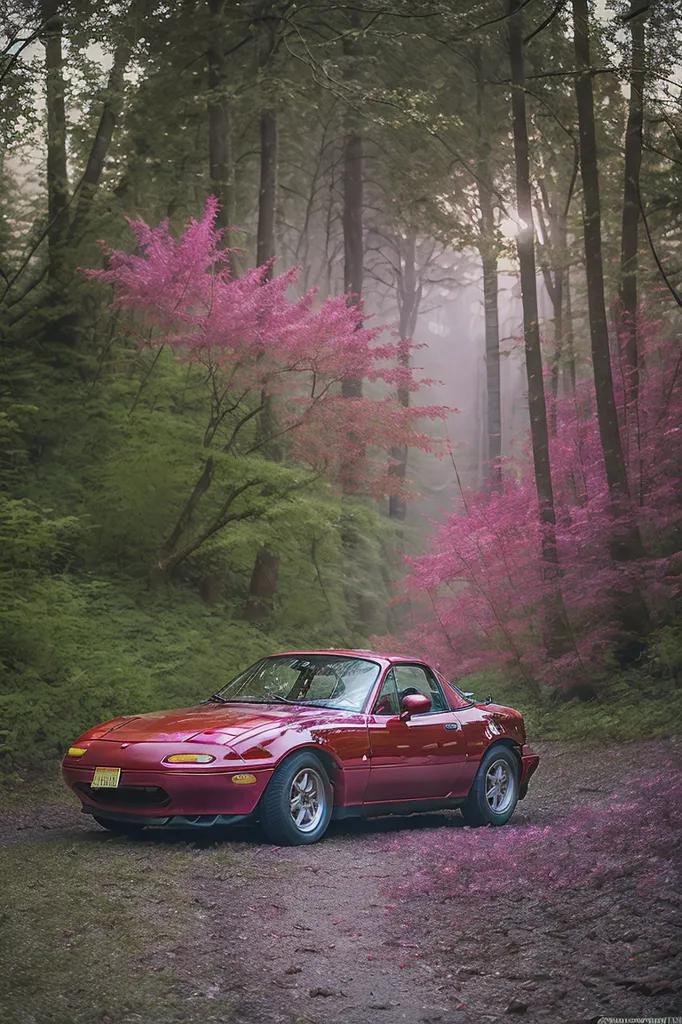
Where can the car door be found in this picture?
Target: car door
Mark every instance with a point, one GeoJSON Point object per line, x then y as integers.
{"type": "Point", "coordinates": [424, 758]}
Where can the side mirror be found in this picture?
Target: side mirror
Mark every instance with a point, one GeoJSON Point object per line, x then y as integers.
{"type": "Point", "coordinates": [414, 704]}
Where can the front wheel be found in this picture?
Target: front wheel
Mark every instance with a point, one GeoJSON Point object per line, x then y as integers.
{"type": "Point", "coordinates": [495, 791]}
{"type": "Point", "coordinates": [296, 807]}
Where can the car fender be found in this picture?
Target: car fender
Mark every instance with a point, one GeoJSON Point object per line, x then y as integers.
{"type": "Point", "coordinates": [485, 725]}
{"type": "Point", "coordinates": [342, 746]}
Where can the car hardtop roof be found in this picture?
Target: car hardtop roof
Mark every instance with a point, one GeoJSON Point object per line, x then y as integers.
{"type": "Point", "coordinates": [356, 653]}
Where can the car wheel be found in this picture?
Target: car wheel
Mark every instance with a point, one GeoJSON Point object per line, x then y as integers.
{"type": "Point", "coordinates": [495, 791]}
{"type": "Point", "coordinates": [297, 805]}
{"type": "Point", "coordinates": [121, 828]}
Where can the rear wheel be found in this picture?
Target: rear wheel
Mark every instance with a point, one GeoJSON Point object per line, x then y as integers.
{"type": "Point", "coordinates": [121, 828]}
{"type": "Point", "coordinates": [495, 791]}
{"type": "Point", "coordinates": [296, 807]}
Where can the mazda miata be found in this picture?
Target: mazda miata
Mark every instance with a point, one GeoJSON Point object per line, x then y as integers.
{"type": "Point", "coordinates": [301, 738]}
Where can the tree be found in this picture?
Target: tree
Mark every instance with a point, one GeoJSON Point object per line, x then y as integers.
{"type": "Point", "coordinates": [253, 342]}
{"type": "Point", "coordinates": [627, 542]}
{"type": "Point", "coordinates": [263, 583]}
{"type": "Point", "coordinates": [488, 249]}
{"type": "Point", "coordinates": [631, 199]}
{"type": "Point", "coordinates": [558, 638]}
{"type": "Point", "coordinates": [57, 171]}
{"type": "Point", "coordinates": [220, 157]}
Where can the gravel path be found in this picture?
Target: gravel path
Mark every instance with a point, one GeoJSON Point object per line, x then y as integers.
{"type": "Point", "coordinates": [367, 926]}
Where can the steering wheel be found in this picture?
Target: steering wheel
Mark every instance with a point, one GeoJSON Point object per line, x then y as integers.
{"type": "Point", "coordinates": [407, 692]}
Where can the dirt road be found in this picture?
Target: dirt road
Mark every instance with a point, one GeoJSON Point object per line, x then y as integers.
{"type": "Point", "coordinates": [569, 913]}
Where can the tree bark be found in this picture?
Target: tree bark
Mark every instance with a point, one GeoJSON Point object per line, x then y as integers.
{"type": "Point", "coordinates": [57, 171]}
{"type": "Point", "coordinates": [110, 114]}
{"type": "Point", "coordinates": [263, 583]}
{"type": "Point", "coordinates": [630, 219]}
{"type": "Point", "coordinates": [607, 412]}
{"type": "Point", "coordinates": [490, 288]}
{"type": "Point", "coordinates": [219, 137]}
{"type": "Point", "coordinates": [554, 238]}
{"type": "Point", "coordinates": [492, 371]}
{"type": "Point", "coordinates": [353, 241]}
{"type": "Point", "coordinates": [265, 244]}
{"type": "Point", "coordinates": [353, 199]}
{"type": "Point", "coordinates": [184, 520]}
{"type": "Point", "coordinates": [557, 630]}
{"type": "Point", "coordinates": [262, 586]}
{"type": "Point", "coordinates": [267, 195]}
{"type": "Point", "coordinates": [627, 542]}
{"type": "Point", "coordinates": [409, 297]}
{"type": "Point", "coordinates": [353, 246]}
{"type": "Point", "coordinates": [569, 362]}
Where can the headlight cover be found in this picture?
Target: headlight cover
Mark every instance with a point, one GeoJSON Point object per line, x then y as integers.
{"type": "Point", "coordinates": [188, 759]}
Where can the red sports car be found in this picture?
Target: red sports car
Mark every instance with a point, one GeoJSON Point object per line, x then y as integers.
{"type": "Point", "coordinates": [304, 737]}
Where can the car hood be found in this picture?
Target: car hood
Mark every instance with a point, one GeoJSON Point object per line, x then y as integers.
{"type": "Point", "coordinates": [231, 722]}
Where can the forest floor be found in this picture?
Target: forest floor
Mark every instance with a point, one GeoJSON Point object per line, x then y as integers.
{"type": "Point", "coordinates": [570, 912]}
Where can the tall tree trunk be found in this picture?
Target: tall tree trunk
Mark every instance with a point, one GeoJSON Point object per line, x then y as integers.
{"type": "Point", "coordinates": [265, 572]}
{"type": "Point", "coordinates": [57, 173]}
{"type": "Point", "coordinates": [553, 235]}
{"type": "Point", "coordinates": [219, 138]}
{"type": "Point", "coordinates": [409, 297]}
{"type": "Point", "coordinates": [627, 544]}
{"type": "Point", "coordinates": [630, 222]}
{"type": "Point", "coordinates": [353, 245]}
{"type": "Point", "coordinates": [353, 241]}
{"type": "Point", "coordinates": [267, 195]}
{"type": "Point", "coordinates": [488, 253]}
{"type": "Point", "coordinates": [262, 586]}
{"type": "Point", "coordinates": [492, 371]}
{"type": "Point", "coordinates": [557, 630]}
{"type": "Point", "coordinates": [110, 114]}
{"type": "Point", "coordinates": [569, 363]}
{"type": "Point", "coordinates": [353, 201]}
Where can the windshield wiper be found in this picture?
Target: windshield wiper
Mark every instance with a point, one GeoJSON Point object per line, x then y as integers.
{"type": "Point", "coordinates": [272, 698]}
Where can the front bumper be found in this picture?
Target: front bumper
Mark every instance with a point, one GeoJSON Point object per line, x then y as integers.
{"type": "Point", "coordinates": [159, 793]}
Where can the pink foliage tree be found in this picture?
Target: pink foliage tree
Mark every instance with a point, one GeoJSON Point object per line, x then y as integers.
{"type": "Point", "coordinates": [257, 344]}
{"type": "Point", "coordinates": [481, 581]}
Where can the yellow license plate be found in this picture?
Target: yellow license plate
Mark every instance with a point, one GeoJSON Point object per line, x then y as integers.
{"type": "Point", "coordinates": [106, 778]}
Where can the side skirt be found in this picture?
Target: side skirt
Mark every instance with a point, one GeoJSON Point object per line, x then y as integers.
{"type": "Point", "coordinates": [394, 807]}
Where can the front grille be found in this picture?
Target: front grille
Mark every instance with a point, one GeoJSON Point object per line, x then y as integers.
{"type": "Point", "coordinates": [130, 796]}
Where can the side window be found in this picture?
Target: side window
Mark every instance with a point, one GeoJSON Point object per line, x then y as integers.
{"type": "Point", "coordinates": [387, 702]}
{"type": "Point", "coordinates": [415, 679]}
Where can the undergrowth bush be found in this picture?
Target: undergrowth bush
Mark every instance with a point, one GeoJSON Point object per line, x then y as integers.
{"type": "Point", "coordinates": [639, 704]}
{"type": "Point", "coordinates": [80, 651]}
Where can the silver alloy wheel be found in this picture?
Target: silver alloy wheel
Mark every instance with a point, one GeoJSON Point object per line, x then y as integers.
{"type": "Point", "coordinates": [499, 787]}
{"type": "Point", "coordinates": [307, 800]}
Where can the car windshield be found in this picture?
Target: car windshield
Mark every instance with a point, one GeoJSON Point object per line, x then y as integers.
{"type": "Point", "coordinates": [324, 680]}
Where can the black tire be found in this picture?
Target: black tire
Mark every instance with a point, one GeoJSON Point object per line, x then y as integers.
{"type": "Point", "coordinates": [478, 809]}
{"type": "Point", "coordinates": [120, 828]}
{"type": "Point", "coordinates": [276, 815]}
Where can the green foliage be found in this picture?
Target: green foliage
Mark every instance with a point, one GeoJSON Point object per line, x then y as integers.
{"type": "Point", "coordinates": [77, 651]}
{"type": "Point", "coordinates": [95, 473]}
{"type": "Point", "coordinates": [640, 704]}
{"type": "Point", "coordinates": [83, 635]}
